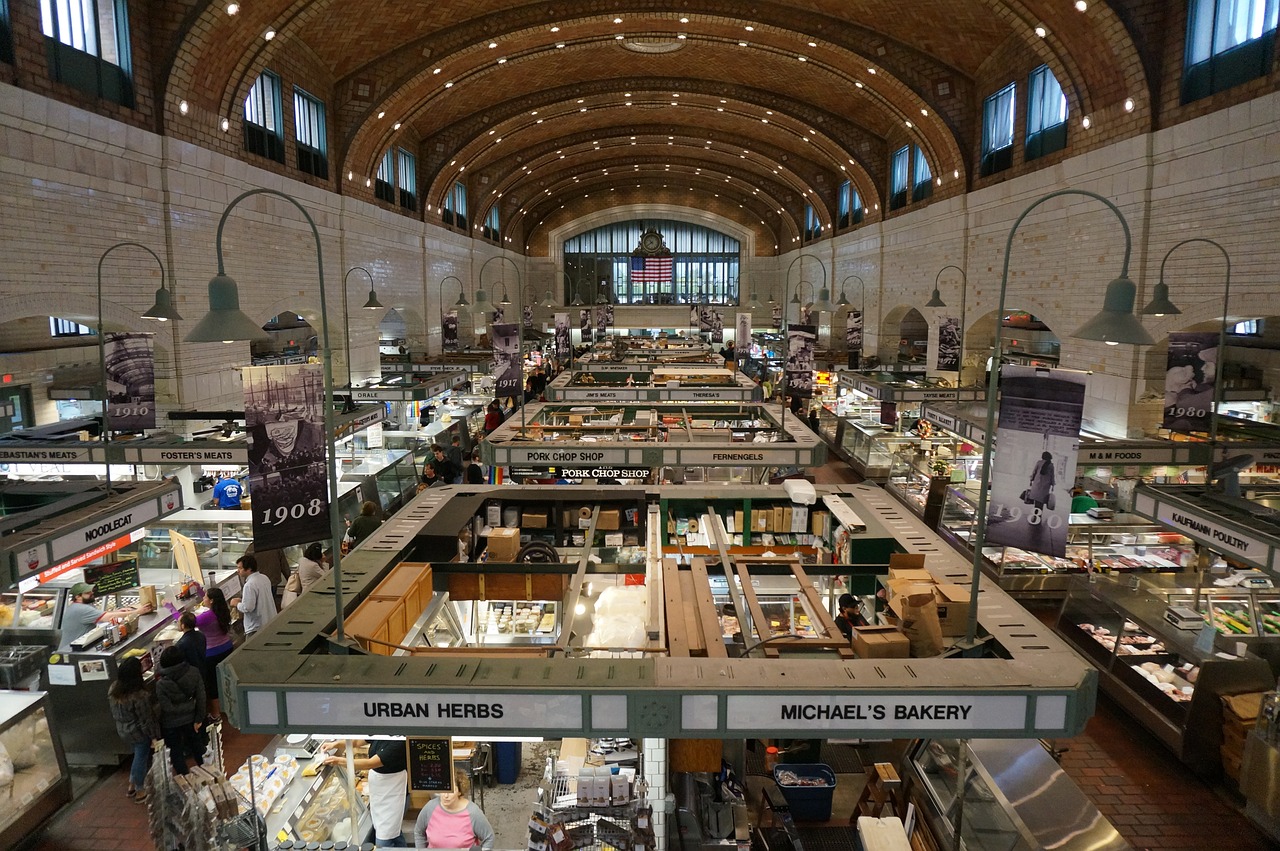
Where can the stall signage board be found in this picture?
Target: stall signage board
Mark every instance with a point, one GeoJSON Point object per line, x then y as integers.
{"type": "Point", "coordinates": [1125, 455]}
{"type": "Point", "coordinates": [585, 472]}
{"type": "Point", "coordinates": [47, 453]}
{"type": "Point", "coordinates": [105, 528]}
{"type": "Point", "coordinates": [574, 394]}
{"type": "Point", "coordinates": [430, 764]}
{"type": "Point", "coordinates": [1210, 531]}
{"type": "Point", "coordinates": [82, 559]}
{"type": "Point", "coordinates": [945, 421]}
{"type": "Point", "coordinates": [755, 456]}
{"type": "Point", "coordinates": [114, 577]}
{"type": "Point", "coordinates": [904, 714]}
{"type": "Point", "coordinates": [520, 455]}
{"type": "Point", "coordinates": [176, 455]}
{"type": "Point", "coordinates": [339, 710]}
{"type": "Point", "coordinates": [719, 394]}
{"type": "Point", "coordinates": [362, 421]}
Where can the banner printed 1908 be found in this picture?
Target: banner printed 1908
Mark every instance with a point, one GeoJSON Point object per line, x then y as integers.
{"type": "Point", "coordinates": [949, 345]}
{"type": "Point", "coordinates": [506, 360]}
{"type": "Point", "coordinates": [288, 477]}
{"type": "Point", "coordinates": [131, 383]}
{"type": "Point", "coordinates": [562, 337]}
{"type": "Point", "coordinates": [799, 367]}
{"type": "Point", "coordinates": [1188, 380]}
{"type": "Point", "coordinates": [526, 316]}
{"type": "Point", "coordinates": [584, 324]}
{"type": "Point", "coordinates": [1035, 458]}
{"type": "Point", "coordinates": [853, 337]}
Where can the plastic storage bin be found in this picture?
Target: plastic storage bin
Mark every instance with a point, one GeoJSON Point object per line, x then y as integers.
{"type": "Point", "coordinates": [506, 761]}
{"type": "Point", "coordinates": [808, 802]}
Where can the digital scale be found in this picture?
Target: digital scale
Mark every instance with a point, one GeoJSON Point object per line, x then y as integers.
{"type": "Point", "coordinates": [1255, 582]}
{"type": "Point", "coordinates": [1184, 617]}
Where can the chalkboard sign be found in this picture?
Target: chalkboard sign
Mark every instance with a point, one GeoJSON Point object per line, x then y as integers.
{"type": "Point", "coordinates": [113, 578]}
{"type": "Point", "coordinates": [430, 764]}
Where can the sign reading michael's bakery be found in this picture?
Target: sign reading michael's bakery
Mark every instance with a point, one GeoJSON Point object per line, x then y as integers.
{"type": "Point", "coordinates": [899, 713]}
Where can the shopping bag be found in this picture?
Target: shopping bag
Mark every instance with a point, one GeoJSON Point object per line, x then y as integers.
{"type": "Point", "coordinates": [1051, 501]}
{"type": "Point", "coordinates": [1025, 495]}
{"type": "Point", "coordinates": [920, 623]}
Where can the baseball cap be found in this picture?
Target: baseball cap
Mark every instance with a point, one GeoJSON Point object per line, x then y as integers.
{"type": "Point", "coordinates": [80, 588]}
{"type": "Point", "coordinates": [847, 602]}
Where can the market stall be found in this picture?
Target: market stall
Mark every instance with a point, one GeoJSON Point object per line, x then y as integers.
{"type": "Point", "coordinates": [660, 384]}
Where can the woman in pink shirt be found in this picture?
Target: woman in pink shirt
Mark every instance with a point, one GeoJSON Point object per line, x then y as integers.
{"type": "Point", "coordinates": [214, 620]}
{"type": "Point", "coordinates": [450, 820]}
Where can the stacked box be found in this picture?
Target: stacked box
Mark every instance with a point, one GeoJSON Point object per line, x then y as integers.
{"type": "Point", "coordinates": [1239, 714]}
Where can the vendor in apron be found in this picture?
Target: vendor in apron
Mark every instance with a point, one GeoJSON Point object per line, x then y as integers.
{"type": "Point", "coordinates": [388, 785]}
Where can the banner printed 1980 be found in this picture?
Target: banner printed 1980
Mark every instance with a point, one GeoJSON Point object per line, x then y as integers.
{"type": "Point", "coordinates": [288, 478]}
{"type": "Point", "coordinates": [1035, 458]}
{"type": "Point", "coordinates": [131, 383]}
{"type": "Point", "coordinates": [1188, 380]}
{"type": "Point", "coordinates": [742, 335]}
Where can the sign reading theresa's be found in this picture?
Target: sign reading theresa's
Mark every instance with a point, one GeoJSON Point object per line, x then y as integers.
{"type": "Point", "coordinates": [1210, 530]}
{"type": "Point", "coordinates": [355, 710]}
{"type": "Point", "coordinates": [900, 713]}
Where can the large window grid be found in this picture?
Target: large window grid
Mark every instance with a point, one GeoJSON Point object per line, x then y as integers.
{"type": "Point", "coordinates": [922, 185]}
{"type": "Point", "coordinates": [491, 229]}
{"type": "Point", "coordinates": [1046, 114]}
{"type": "Point", "coordinates": [453, 211]}
{"type": "Point", "coordinates": [407, 174]}
{"type": "Point", "coordinates": [1229, 42]}
{"type": "Point", "coordinates": [812, 227]}
{"type": "Point", "coordinates": [899, 165]}
{"type": "Point", "coordinates": [997, 131]}
{"type": "Point", "coordinates": [6, 33]}
{"type": "Point", "coordinates": [68, 328]}
{"type": "Point", "coordinates": [309, 132]}
{"type": "Point", "coordinates": [88, 46]}
{"type": "Point", "coordinates": [705, 264]}
{"type": "Point", "coordinates": [384, 184]}
{"type": "Point", "coordinates": [263, 119]}
{"type": "Point", "coordinates": [849, 205]}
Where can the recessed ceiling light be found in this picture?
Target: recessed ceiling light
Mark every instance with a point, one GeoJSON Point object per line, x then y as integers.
{"type": "Point", "coordinates": [555, 29]}
{"type": "Point", "coordinates": [449, 85]}
{"type": "Point", "coordinates": [502, 61]}
{"type": "Point", "coordinates": [802, 58]}
{"type": "Point", "coordinates": [956, 173]}
{"type": "Point", "coordinates": [1085, 122]}
{"type": "Point", "coordinates": [924, 112]}
{"type": "Point", "coordinates": [682, 36]}
{"type": "Point", "coordinates": [232, 8]}
{"type": "Point", "coordinates": [382, 114]}
{"type": "Point", "coordinates": [617, 20]}
{"type": "Point", "coordinates": [813, 44]}
{"type": "Point", "coordinates": [584, 109]}
{"type": "Point", "coordinates": [395, 126]}
{"type": "Point", "coordinates": [859, 85]}
{"type": "Point", "coordinates": [871, 70]}
{"type": "Point", "coordinates": [909, 124]}
{"type": "Point", "coordinates": [269, 34]}
{"type": "Point", "coordinates": [559, 44]}
{"type": "Point", "coordinates": [719, 109]}
{"type": "Point", "coordinates": [368, 182]}
{"type": "Point", "coordinates": [1128, 104]}
{"type": "Point", "coordinates": [1041, 31]}
{"type": "Point", "coordinates": [1081, 5]}
{"type": "Point", "coordinates": [437, 71]}
{"type": "Point", "coordinates": [226, 125]}
{"type": "Point", "coordinates": [764, 120]}
{"type": "Point", "coordinates": [492, 45]}
{"type": "Point", "coordinates": [183, 106]}
{"type": "Point", "coordinates": [750, 29]}
{"type": "Point", "coordinates": [742, 44]}
{"type": "Point", "coordinates": [684, 20]}
{"type": "Point", "coordinates": [580, 100]}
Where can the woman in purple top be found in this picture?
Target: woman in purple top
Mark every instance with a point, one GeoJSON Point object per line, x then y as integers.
{"type": "Point", "coordinates": [214, 620]}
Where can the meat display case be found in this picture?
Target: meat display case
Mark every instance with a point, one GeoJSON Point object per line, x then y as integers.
{"type": "Point", "coordinates": [39, 783]}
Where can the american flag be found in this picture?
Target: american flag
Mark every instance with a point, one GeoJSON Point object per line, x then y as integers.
{"type": "Point", "coordinates": [650, 270]}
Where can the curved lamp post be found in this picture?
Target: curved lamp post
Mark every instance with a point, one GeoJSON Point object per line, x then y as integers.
{"type": "Point", "coordinates": [937, 301]}
{"type": "Point", "coordinates": [371, 303]}
{"type": "Point", "coordinates": [162, 311]}
{"type": "Point", "coordinates": [1160, 305]}
{"type": "Point", "coordinates": [862, 306]}
{"type": "Point", "coordinates": [519, 321]}
{"type": "Point", "coordinates": [1114, 324]}
{"type": "Point", "coordinates": [226, 322]}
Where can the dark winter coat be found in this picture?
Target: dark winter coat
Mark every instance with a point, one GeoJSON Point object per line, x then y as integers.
{"type": "Point", "coordinates": [135, 717]}
{"type": "Point", "coordinates": [180, 693]}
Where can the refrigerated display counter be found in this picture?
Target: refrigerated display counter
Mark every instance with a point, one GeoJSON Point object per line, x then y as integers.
{"type": "Point", "coordinates": [40, 783]}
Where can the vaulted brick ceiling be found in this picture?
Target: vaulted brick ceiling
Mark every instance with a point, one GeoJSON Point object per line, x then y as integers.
{"type": "Point", "coordinates": [556, 109]}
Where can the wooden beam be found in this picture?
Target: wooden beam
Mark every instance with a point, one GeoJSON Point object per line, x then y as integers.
{"type": "Point", "coordinates": [758, 619]}
{"type": "Point", "coordinates": [677, 637]}
{"type": "Point", "coordinates": [705, 607]}
{"type": "Point", "coordinates": [828, 624]}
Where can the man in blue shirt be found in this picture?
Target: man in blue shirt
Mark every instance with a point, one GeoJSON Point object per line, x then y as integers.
{"type": "Point", "coordinates": [227, 492]}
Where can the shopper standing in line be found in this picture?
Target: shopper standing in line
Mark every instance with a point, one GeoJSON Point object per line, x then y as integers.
{"type": "Point", "coordinates": [180, 693]}
{"type": "Point", "coordinates": [454, 454]}
{"type": "Point", "coordinates": [214, 620]}
{"type": "Point", "coordinates": [364, 525]}
{"type": "Point", "coordinates": [311, 566]}
{"type": "Point", "coordinates": [388, 767]}
{"type": "Point", "coordinates": [256, 600]}
{"type": "Point", "coordinates": [134, 711]}
{"type": "Point", "coordinates": [492, 417]}
{"type": "Point", "coordinates": [450, 820]}
{"type": "Point", "coordinates": [445, 471]}
{"type": "Point", "coordinates": [193, 643]}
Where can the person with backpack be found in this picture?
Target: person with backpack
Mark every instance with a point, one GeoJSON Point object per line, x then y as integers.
{"type": "Point", "coordinates": [180, 693]}
{"type": "Point", "coordinates": [133, 709]}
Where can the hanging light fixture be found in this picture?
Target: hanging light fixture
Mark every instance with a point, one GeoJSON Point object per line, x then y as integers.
{"type": "Point", "coordinates": [936, 301]}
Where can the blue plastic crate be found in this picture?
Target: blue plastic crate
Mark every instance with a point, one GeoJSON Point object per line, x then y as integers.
{"type": "Point", "coordinates": [808, 803]}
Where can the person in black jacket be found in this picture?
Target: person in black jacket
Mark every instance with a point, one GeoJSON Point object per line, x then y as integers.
{"type": "Point", "coordinates": [192, 643]}
{"type": "Point", "coordinates": [850, 615]}
{"type": "Point", "coordinates": [180, 693]}
{"type": "Point", "coordinates": [133, 709]}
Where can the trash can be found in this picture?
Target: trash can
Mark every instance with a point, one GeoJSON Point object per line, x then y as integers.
{"type": "Point", "coordinates": [506, 761]}
{"type": "Point", "coordinates": [808, 788]}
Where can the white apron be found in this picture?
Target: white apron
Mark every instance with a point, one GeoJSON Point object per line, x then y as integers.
{"type": "Point", "coordinates": [387, 801]}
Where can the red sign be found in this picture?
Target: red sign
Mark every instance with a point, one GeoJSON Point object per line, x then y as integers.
{"type": "Point", "coordinates": [84, 558]}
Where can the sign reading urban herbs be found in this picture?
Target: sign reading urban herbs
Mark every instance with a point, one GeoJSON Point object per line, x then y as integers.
{"type": "Point", "coordinates": [130, 397]}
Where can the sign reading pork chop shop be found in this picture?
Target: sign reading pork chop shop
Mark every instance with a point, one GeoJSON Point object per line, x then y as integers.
{"type": "Point", "coordinates": [369, 710]}
{"type": "Point", "coordinates": [576, 457]}
{"type": "Point", "coordinates": [900, 713]}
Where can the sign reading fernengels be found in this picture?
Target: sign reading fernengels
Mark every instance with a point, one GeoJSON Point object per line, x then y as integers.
{"type": "Point", "coordinates": [1212, 532]}
{"type": "Point", "coordinates": [751, 453]}
{"type": "Point", "coordinates": [905, 713]}
{"type": "Point", "coordinates": [364, 710]}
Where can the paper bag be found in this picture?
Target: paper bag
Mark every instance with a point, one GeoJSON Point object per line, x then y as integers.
{"type": "Point", "coordinates": [147, 596]}
{"type": "Point", "coordinates": [920, 624]}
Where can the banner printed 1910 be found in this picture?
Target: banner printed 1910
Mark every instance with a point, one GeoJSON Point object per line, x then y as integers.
{"type": "Point", "coordinates": [949, 345]}
{"type": "Point", "coordinates": [506, 361]}
{"type": "Point", "coordinates": [562, 337]}
{"type": "Point", "coordinates": [131, 380]}
{"type": "Point", "coordinates": [1035, 458]}
{"type": "Point", "coordinates": [1189, 379]}
{"type": "Point", "coordinates": [288, 476]}
{"type": "Point", "coordinates": [800, 360]}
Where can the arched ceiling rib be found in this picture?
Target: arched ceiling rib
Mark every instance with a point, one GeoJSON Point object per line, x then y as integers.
{"type": "Point", "coordinates": [840, 82]}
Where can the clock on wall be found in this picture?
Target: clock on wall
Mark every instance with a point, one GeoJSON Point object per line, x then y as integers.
{"type": "Point", "coordinates": [651, 243]}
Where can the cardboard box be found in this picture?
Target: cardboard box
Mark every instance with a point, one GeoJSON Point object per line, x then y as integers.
{"type": "Point", "coordinates": [953, 608]}
{"type": "Point", "coordinates": [779, 515]}
{"type": "Point", "coordinates": [503, 544]}
{"type": "Point", "coordinates": [760, 520]}
{"type": "Point", "coordinates": [610, 518]}
{"type": "Point", "coordinates": [912, 574]}
{"type": "Point", "coordinates": [906, 560]}
{"type": "Point", "coordinates": [493, 514]}
{"type": "Point", "coordinates": [534, 520]}
{"type": "Point", "coordinates": [880, 642]}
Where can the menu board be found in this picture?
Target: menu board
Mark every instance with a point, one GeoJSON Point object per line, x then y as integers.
{"type": "Point", "coordinates": [430, 764]}
{"type": "Point", "coordinates": [113, 578]}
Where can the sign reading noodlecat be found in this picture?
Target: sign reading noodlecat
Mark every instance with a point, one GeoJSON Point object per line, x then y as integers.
{"type": "Point", "coordinates": [901, 713]}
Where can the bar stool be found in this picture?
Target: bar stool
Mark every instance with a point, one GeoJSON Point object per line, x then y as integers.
{"type": "Point", "coordinates": [881, 791]}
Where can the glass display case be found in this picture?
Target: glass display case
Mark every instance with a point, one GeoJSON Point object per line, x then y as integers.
{"type": "Point", "coordinates": [786, 610]}
{"type": "Point", "coordinates": [221, 537]}
{"type": "Point", "coordinates": [388, 475]}
{"type": "Point", "coordinates": [1235, 612]}
{"type": "Point", "coordinates": [1157, 671]}
{"type": "Point", "coordinates": [1014, 797]}
{"type": "Point", "coordinates": [296, 803]}
{"type": "Point", "coordinates": [37, 782]}
{"type": "Point", "coordinates": [870, 447]}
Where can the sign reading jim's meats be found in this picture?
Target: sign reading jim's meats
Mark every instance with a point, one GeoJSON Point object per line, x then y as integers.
{"type": "Point", "coordinates": [131, 381]}
{"type": "Point", "coordinates": [288, 477]}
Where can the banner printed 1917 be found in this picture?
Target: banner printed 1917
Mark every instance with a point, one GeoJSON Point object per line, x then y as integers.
{"type": "Point", "coordinates": [742, 335]}
{"type": "Point", "coordinates": [800, 359]}
{"type": "Point", "coordinates": [1188, 380]}
{"type": "Point", "coordinates": [949, 345]}
{"type": "Point", "coordinates": [562, 337]}
{"type": "Point", "coordinates": [288, 477]}
{"type": "Point", "coordinates": [1035, 458]}
{"type": "Point", "coordinates": [853, 337]}
{"type": "Point", "coordinates": [131, 380]}
{"type": "Point", "coordinates": [506, 361]}
{"type": "Point", "coordinates": [717, 325]}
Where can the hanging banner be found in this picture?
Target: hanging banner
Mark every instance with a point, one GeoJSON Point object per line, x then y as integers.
{"type": "Point", "coordinates": [449, 331]}
{"type": "Point", "coordinates": [1035, 460]}
{"type": "Point", "coordinates": [742, 334]}
{"type": "Point", "coordinates": [777, 316]}
{"type": "Point", "coordinates": [562, 337]}
{"type": "Point", "coordinates": [498, 315]}
{"type": "Point", "coordinates": [608, 316]}
{"type": "Point", "coordinates": [949, 345]}
{"type": "Point", "coordinates": [853, 337]}
{"type": "Point", "coordinates": [131, 380]}
{"type": "Point", "coordinates": [584, 324]}
{"type": "Point", "coordinates": [288, 479]}
{"type": "Point", "coordinates": [602, 321]}
{"type": "Point", "coordinates": [1188, 380]}
{"type": "Point", "coordinates": [526, 315]}
{"type": "Point", "coordinates": [506, 369]}
{"type": "Point", "coordinates": [806, 314]}
{"type": "Point", "coordinates": [800, 343]}
{"type": "Point", "coordinates": [717, 326]}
